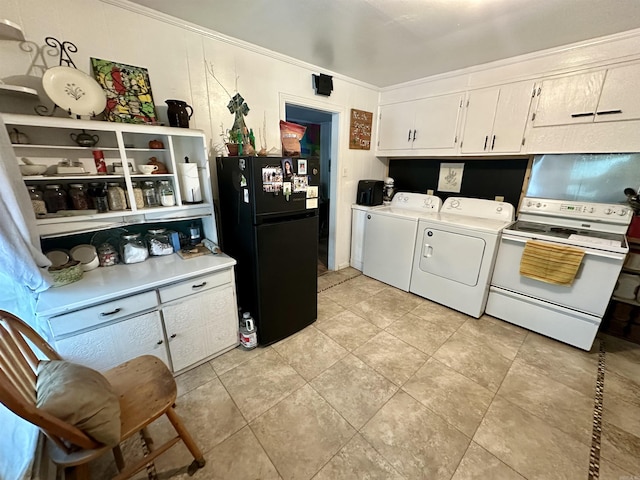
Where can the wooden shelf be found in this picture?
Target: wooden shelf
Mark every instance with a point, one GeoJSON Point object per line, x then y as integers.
{"type": "Point", "coordinates": [63, 147]}
{"type": "Point", "coordinates": [10, 30]}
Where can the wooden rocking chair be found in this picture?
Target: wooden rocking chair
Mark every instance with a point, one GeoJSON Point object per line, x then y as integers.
{"type": "Point", "coordinates": [145, 386]}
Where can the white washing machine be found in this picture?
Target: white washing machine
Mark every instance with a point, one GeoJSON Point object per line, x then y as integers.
{"type": "Point", "coordinates": [390, 235]}
{"type": "Point", "coordinates": [455, 252]}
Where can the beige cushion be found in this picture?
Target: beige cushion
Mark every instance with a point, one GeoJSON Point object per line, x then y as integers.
{"type": "Point", "coordinates": [80, 396]}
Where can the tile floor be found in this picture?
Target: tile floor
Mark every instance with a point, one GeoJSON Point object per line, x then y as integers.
{"type": "Point", "coordinates": [387, 385]}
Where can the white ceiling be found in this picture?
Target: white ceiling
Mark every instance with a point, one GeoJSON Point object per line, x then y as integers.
{"type": "Point", "coordinates": [385, 42]}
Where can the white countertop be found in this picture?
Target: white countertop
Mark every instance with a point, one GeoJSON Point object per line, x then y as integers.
{"type": "Point", "coordinates": [108, 283]}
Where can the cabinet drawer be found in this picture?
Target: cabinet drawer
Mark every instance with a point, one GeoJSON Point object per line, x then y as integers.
{"type": "Point", "coordinates": [194, 285]}
{"type": "Point", "coordinates": [105, 312]}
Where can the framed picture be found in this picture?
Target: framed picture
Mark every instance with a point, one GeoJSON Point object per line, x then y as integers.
{"type": "Point", "coordinates": [302, 167]}
{"type": "Point", "coordinates": [128, 90]}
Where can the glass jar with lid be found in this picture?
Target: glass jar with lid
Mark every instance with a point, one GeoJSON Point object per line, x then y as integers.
{"type": "Point", "coordinates": [159, 242]}
{"type": "Point", "coordinates": [165, 191]}
{"type": "Point", "coordinates": [98, 193]}
{"type": "Point", "coordinates": [37, 201]}
{"type": "Point", "coordinates": [79, 198]}
{"type": "Point", "coordinates": [149, 194]}
{"type": "Point", "coordinates": [55, 198]}
{"type": "Point", "coordinates": [107, 255]}
{"type": "Point", "coordinates": [138, 196]}
{"type": "Point", "coordinates": [116, 196]}
{"type": "Point", "coordinates": [132, 248]}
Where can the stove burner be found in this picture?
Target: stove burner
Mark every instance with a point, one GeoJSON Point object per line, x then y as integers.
{"type": "Point", "coordinates": [531, 229]}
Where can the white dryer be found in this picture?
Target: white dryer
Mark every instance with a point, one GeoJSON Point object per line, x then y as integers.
{"type": "Point", "coordinates": [390, 236]}
{"type": "Point", "coordinates": [455, 252]}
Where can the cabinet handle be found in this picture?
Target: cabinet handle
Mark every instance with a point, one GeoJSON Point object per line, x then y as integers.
{"type": "Point", "coordinates": [608, 112]}
{"type": "Point", "coordinates": [200, 285]}
{"type": "Point", "coordinates": [486, 139]}
{"type": "Point", "coordinates": [112, 312]}
{"type": "Point", "coordinates": [493, 142]}
{"type": "Point", "coordinates": [414, 135]}
{"type": "Point", "coordinates": [174, 335]}
{"type": "Point", "coordinates": [159, 342]}
{"type": "Point", "coordinates": [409, 137]}
{"type": "Point", "coordinates": [578, 115]}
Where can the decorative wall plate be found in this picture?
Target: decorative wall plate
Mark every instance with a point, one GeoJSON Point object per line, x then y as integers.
{"type": "Point", "coordinates": [73, 90]}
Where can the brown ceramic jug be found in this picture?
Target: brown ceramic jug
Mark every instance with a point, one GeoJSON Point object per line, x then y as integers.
{"type": "Point", "coordinates": [178, 114]}
{"type": "Point", "coordinates": [162, 168]}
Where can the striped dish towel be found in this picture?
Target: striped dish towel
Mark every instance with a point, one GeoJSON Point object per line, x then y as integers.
{"type": "Point", "coordinates": [550, 263]}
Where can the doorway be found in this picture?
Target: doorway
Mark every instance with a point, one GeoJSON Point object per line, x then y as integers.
{"type": "Point", "coordinates": [317, 142]}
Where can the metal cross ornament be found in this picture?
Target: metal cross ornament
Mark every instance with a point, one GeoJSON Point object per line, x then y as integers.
{"type": "Point", "coordinates": [240, 109]}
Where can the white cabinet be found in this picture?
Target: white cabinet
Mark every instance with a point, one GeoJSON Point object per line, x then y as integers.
{"type": "Point", "coordinates": [125, 148]}
{"type": "Point", "coordinates": [198, 326]}
{"type": "Point", "coordinates": [110, 345]}
{"type": "Point", "coordinates": [496, 118]}
{"type": "Point", "coordinates": [184, 323]}
{"type": "Point", "coordinates": [602, 96]}
{"type": "Point", "coordinates": [430, 123]}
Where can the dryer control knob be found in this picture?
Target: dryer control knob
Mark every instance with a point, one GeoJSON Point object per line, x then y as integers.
{"type": "Point", "coordinates": [499, 209]}
{"type": "Point", "coordinates": [455, 203]}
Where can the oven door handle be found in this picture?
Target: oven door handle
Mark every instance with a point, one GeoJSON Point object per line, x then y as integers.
{"type": "Point", "coordinates": [587, 251]}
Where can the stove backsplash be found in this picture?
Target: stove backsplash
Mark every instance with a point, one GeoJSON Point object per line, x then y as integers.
{"type": "Point", "coordinates": [599, 178]}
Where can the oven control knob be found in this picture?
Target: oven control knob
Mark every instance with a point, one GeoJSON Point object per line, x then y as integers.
{"type": "Point", "coordinates": [608, 211]}
{"type": "Point", "coordinates": [622, 212]}
{"type": "Point", "coordinates": [591, 209]}
{"type": "Point", "coordinates": [538, 204]}
{"type": "Point", "coordinates": [455, 203]}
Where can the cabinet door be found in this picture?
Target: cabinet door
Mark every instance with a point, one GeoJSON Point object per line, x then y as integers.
{"type": "Point", "coordinates": [106, 347]}
{"type": "Point", "coordinates": [481, 110]}
{"type": "Point", "coordinates": [511, 117]}
{"type": "Point", "coordinates": [568, 100]}
{"type": "Point", "coordinates": [200, 326]}
{"type": "Point", "coordinates": [436, 121]}
{"type": "Point", "coordinates": [619, 99]}
{"type": "Point", "coordinates": [395, 130]}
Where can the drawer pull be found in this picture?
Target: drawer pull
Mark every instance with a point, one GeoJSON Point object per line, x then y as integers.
{"type": "Point", "coordinates": [578, 115]}
{"type": "Point", "coordinates": [609, 112]}
{"type": "Point", "coordinates": [112, 312]}
{"type": "Point", "coordinates": [174, 335]}
{"type": "Point", "coordinates": [159, 342]}
{"type": "Point", "coordinates": [200, 285]}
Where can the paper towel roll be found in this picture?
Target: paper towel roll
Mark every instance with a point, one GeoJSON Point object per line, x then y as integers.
{"type": "Point", "coordinates": [190, 183]}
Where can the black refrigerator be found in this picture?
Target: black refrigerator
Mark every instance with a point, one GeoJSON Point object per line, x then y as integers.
{"type": "Point", "coordinates": [269, 219]}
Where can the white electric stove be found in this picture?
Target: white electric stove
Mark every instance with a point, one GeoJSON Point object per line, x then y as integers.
{"type": "Point", "coordinates": [571, 314]}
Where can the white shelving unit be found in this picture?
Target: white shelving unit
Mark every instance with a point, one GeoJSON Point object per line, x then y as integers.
{"type": "Point", "coordinates": [10, 30]}
{"type": "Point", "coordinates": [51, 143]}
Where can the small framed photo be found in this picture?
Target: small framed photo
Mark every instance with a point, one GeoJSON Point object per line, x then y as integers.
{"type": "Point", "coordinates": [302, 167]}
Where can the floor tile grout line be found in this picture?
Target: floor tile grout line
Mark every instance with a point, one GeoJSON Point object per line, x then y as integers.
{"type": "Point", "coordinates": [594, 452]}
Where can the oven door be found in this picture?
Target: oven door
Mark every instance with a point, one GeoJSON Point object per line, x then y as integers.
{"type": "Point", "coordinates": [589, 293]}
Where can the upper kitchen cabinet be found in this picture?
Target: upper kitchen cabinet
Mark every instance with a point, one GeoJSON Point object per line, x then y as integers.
{"type": "Point", "coordinates": [496, 118]}
{"type": "Point", "coordinates": [602, 96]}
{"type": "Point", "coordinates": [427, 124]}
{"type": "Point", "coordinates": [71, 195]}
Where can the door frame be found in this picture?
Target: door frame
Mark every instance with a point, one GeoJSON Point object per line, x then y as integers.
{"type": "Point", "coordinates": [337, 113]}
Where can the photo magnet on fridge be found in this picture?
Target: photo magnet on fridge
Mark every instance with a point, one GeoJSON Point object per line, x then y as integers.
{"type": "Point", "coordinates": [302, 167]}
